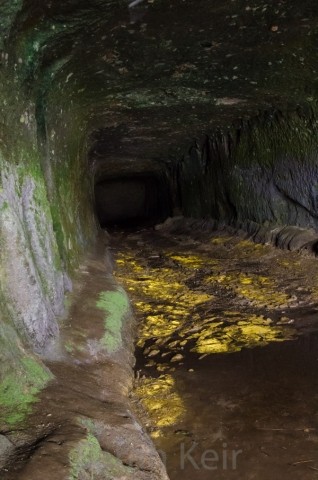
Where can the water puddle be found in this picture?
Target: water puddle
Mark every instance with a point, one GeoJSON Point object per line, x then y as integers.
{"type": "Point", "coordinates": [227, 354]}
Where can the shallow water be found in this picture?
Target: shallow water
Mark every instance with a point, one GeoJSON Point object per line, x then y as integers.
{"type": "Point", "coordinates": [227, 354]}
{"type": "Point", "coordinates": [260, 405]}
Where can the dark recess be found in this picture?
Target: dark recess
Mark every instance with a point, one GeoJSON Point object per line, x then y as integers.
{"type": "Point", "coordinates": [132, 201]}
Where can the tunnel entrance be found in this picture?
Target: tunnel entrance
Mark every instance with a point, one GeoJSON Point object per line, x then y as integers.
{"type": "Point", "coordinates": [139, 200]}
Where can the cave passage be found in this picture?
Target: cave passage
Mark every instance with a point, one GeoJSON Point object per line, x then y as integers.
{"type": "Point", "coordinates": [131, 201]}
{"type": "Point", "coordinates": [226, 375]}
{"type": "Point", "coordinates": [186, 129]}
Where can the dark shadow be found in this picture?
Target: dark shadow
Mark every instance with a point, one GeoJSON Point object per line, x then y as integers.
{"type": "Point", "coordinates": [131, 201]}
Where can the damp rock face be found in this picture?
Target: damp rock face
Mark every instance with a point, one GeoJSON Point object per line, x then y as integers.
{"type": "Point", "coordinates": [6, 449]}
{"type": "Point", "coordinates": [263, 171]}
{"type": "Point", "coordinates": [29, 247]}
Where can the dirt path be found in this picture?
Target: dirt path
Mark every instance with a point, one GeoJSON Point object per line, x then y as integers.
{"type": "Point", "coordinates": [227, 353]}
{"type": "Point", "coordinates": [82, 426]}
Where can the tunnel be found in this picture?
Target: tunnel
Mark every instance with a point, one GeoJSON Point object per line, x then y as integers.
{"type": "Point", "coordinates": [158, 240]}
{"type": "Point", "coordinates": [131, 201]}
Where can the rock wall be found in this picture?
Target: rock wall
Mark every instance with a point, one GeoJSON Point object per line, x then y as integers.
{"type": "Point", "coordinates": [46, 220]}
{"type": "Point", "coordinates": [264, 171]}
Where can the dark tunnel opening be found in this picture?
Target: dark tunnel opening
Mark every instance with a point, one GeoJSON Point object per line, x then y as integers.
{"type": "Point", "coordinates": [132, 201]}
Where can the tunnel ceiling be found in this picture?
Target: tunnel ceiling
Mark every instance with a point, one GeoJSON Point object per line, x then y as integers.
{"type": "Point", "coordinates": [152, 78]}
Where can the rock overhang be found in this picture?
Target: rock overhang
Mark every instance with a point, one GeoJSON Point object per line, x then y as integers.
{"type": "Point", "coordinates": [164, 72]}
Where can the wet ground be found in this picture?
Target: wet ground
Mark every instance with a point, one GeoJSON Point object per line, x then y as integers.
{"type": "Point", "coordinates": [227, 353]}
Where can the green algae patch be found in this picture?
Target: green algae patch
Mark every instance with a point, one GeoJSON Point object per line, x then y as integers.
{"type": "Point", "coordinates": [19, 390]}
{"type": "Point", "coordinates": [86, 453]}
{"type": "Point", "coordinates": [88, 458]}
{"type": "Point", "coordinates": [116, 306]}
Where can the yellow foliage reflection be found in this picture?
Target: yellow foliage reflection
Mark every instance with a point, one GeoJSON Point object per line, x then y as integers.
{"type": "Point", "coordinates": [248, 331]}
{"type": "Point", "coordinates": [167, 302]}
{"type": "Point", "coordinates": [258, 289]}
{"type": "Point", "coordinates": [174, 300]}
{"type": "Point", "coordinates": [161, 400]}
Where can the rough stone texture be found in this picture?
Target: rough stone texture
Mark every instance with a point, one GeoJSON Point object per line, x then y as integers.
{"type": "Point", "coordinates": [285, 237]}
{"type": "Point", "coordinates": [6, 449]}
{"type": "Point", "coordinates": [34, 284]}
{"type": "Point", "coordinates": [265, 170]}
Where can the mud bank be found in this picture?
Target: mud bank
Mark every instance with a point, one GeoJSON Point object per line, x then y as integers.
{"type": "Point", "coordinates": [81, 426]}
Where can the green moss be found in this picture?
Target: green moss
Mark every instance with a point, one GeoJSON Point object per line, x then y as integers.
{"type": "Point", "coordinates": [4, 206]}
{"type": "Point", "coordinates": [88, 424]}
{"type": "Point", "coordinates": [58, 230]}
{"type": "Point", "coordinates": [87, 452]}
{"type": "Point", "coordinates": [72, 347]}
{"type": "Point", "coordinates": [19, 389]}
{"type": "Point", "coordinates": [69, 347]}
{"type": "Point", "coordinates": [88, 457]}
{"type": "Point", "coordinates": [116, 306]}
{"type": "Point", "coordinates": [8, 13]}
